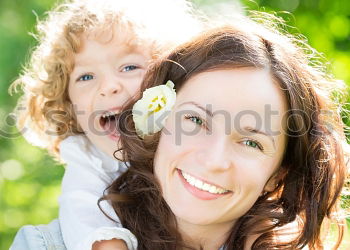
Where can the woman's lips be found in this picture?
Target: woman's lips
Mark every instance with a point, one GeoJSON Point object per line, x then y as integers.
{"type": "Point", "coordinates": [211, 194]}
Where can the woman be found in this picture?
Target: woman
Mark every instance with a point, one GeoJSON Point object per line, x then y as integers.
{"type": "Point", "coordinates": [247, 158]}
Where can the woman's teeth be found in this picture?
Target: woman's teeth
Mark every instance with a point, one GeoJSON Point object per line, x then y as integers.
{"type": "Point", "coordinates": [203, 186]}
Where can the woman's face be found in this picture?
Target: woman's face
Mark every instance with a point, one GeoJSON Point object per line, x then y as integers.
{"type": "Point", "coordinates": [222, 145]}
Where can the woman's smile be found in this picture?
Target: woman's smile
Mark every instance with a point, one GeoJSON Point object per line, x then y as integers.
{"type": "Point", "coordinates": [200, 188]}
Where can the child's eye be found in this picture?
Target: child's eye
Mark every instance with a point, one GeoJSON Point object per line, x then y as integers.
{"type": "Point", "coordinates": [86, 77]}
{"type": "Point", "coordinates": [195, 119]}
{"type": "Point", "coordinates": [253, 144]}
{"type": "Point", "coordinates": [129, 68]}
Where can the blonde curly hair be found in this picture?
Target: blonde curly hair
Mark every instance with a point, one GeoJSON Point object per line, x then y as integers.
{"type": "Point", "coordinates": [45, 113]}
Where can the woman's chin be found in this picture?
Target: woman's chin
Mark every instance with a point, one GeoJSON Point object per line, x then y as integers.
{"type": "Point", "coordinates": [195, 215]}
{"type": "Point", "coordinates": [195, 219]}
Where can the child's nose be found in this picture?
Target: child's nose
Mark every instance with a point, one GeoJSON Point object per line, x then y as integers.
{"type": "Point", "coordinates": [110, 87]}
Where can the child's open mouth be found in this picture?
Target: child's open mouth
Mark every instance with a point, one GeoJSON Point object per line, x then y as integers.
{"type": "Point", "coordinates": [108, 123]}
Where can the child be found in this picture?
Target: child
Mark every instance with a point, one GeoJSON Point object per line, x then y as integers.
{"type": "Point", "coordinates": [90, 59]}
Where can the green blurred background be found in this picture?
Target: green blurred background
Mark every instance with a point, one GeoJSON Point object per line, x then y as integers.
{"type": "Point", "coordinates": [30, 179]}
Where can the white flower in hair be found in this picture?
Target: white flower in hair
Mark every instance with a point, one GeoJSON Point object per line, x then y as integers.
{"type": "Point", "coordinates": [151, 111]}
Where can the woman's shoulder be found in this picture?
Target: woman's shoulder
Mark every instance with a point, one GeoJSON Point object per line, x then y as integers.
{"type": "Point", "coordinates": [39, 237]}
{"type": "Point", "coordinates": [284, 234]}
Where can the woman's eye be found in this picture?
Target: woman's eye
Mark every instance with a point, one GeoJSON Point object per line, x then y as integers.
{"type": "Point", "coordinates": [253, 144]}
{"type": "Point", "coordinates": [129, 68]}
{"type": "Point", "coordinates": [86, 77]}
{"type": "Point", "coordinates": [195, 119]}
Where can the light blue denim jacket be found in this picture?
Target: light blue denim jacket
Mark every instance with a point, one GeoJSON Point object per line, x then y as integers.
{"type": "Point", "coordinates": [42, 237]}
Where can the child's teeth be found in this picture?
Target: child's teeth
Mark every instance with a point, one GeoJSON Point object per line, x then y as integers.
{"type": "Point", "coordinates": [109, 113]}
{"type": "Point", "coordinates": [203, 186]}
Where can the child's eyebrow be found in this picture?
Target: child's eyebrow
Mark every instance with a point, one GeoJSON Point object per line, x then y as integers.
{"type": "Point", "coordinates": [82, 62]}
{"type": "Point", "coordinates": [131, 47]}
{"type": "Point", "coordinates": [130, 51]}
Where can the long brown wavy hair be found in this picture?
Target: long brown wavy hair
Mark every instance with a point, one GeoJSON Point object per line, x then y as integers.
{"type": "Point", "coordinates": [313, 167]}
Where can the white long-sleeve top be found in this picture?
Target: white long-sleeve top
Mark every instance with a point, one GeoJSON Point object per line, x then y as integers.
{"type": "Point", "coordinates": [88, 173]}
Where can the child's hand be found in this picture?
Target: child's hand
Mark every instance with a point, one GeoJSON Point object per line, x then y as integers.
{"type": "Point", "coordinates": [114, 244]}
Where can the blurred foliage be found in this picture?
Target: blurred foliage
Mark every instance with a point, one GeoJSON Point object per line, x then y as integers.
{"type": "Point", "coordinates": [30, 179]}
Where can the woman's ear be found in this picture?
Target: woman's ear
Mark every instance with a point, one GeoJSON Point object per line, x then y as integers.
{"type": "Point", "coordinates": [271, 184]}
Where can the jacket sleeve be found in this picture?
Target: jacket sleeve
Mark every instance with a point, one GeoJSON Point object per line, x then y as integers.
{"type": "Point", "coordinates": [82, 222]}
{"type": "Point", "coordinates": [40, 237]}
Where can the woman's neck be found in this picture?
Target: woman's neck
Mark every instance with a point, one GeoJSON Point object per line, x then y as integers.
{"type": "Point", "coordinates": [209, 237]}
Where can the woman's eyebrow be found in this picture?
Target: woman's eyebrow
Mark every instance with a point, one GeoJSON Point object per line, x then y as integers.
{"type": "Point", "coordinates": [256, 131]}
{"type": "Point", "coordinates": [198, 106]}
{"type": "Point", "coordinates": [248, 129]}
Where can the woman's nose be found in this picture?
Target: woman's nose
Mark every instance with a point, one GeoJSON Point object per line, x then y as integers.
{"type": "Point", "coordinates": [216, 155]}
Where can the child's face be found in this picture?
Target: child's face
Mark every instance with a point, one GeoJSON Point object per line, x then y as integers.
{"type": "Point", "coordinates": [105, 76]}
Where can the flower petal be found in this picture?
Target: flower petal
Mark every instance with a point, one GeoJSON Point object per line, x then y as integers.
{"type": "Point", "coordinates": [152, 110]}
